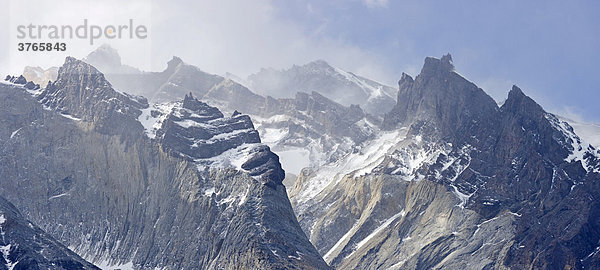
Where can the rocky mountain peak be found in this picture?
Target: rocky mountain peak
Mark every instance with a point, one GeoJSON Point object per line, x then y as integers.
{"type": "Point", "coordinates": [516, 97]}
{"type": "Point", "coordinates": [200, 108]}
{"type": "Point", "coordinates": [200, 133]}
{"type": "Point", "coordinates": [74, 66]}
{"type": "Point", "coordinates": [105, 54]}
{"type": "Point", "coordinates": [404, 85]}
{"type": "Point", "coordinates": [517, 101]}
{"type": "Point", "coordinates": [434, 65]}
{"type": "Point", "coordinates": [318, 65]}
{"type": "Point", "coordinates": [174, 62]}
{"type": "Point", "coordinates": [405, 78]}
{"type": "Point", "coordinates": [82, 92]}
{"type": "Point", "coordinates": [438, 97]}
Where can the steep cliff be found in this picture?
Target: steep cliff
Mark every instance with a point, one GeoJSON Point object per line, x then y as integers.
{"type": "Point", "coordinates": [78, 160]}
{"type": "Point", "coordinates": [25, 246]}
{"type": "Point", "coordinates": [454, 181]}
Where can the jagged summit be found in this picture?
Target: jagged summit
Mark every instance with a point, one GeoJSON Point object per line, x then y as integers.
{"type": "Point", "coordinates": [105, 55]}
{"type": "Point", "coordinates": [443, 64]}
{"type": "Point", "coordinates": [405, 78]}
{"type": "Point", "coordinates": [82, 92]}
{"type": "Point", "coordinates": [438, 97]}
{"type": "Point", "coordinates": [174, 62]}
{"type": "Point", "coordinates": [517, 101]}
{"type": "Point", "coordinates": [200, 133]}
{"type": "Point", "coordinates": [200, 108]}
{"type": "Point", "coordinates": [205, 180]}
{"type": "Point", "coordinates": [516, 90]}
{"type": "Point", "coordinates": [73, 65]}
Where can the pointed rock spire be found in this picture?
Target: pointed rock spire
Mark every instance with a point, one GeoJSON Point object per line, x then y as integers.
{"type": "Point", "coordinates": [518, 102]}
{"type": "Point", "coordinates": [174, 62]}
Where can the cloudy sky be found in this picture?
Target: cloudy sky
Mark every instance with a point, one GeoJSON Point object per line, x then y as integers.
{"type": "Point", "coordinates": [551, 49]}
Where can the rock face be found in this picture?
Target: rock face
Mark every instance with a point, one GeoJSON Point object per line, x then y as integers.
{"type": "Point", "coordinates": [16, 80]}
{"type": "Point", "coordinates": [81, 91]}
{"type": "Point", "coordinates": [200, 133]}
{"type": "Point", "coordinates": [341, 86]}
{"type": "Point", "coordinates": [124, 183]}
{"type": "Point", "coordinates": [454, 181]}
{"type": "Point", "coordinates": [25, 246]}
{"type": "Point", "coordinates": [29, 85]}
{"type": "Point", "coordinates": [306, 130]}
{"type": "Point", "coordinates": [310, 129]}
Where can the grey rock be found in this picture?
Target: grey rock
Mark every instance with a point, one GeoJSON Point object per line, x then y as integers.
{"type": "Point", "coordinates": [81, 91]}
{"type": "Point", "coordinates": [25, 246]}
{"type": "Point", "coordinates": [19, 80]}
{"type": "Point", "coordinates": [137, 200]}
{"type": "Point", "coordinates": [31, 86]}
{"type": "Point", "coordinates": [510, 187]}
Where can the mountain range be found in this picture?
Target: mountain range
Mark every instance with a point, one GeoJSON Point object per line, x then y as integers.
{"type": "Point", "coordinates": [311, 167]}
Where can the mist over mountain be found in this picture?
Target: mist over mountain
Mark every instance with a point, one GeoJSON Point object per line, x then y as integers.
{"type": "Point", "coordinates": [116, 191]}
{"type": "Point", "coordinates": [311, 167]}
{"type": "Point", "coordinates": [338, 85]}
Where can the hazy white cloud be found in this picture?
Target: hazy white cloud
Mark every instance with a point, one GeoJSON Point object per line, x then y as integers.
{"type": "Point", "coordinates": [243, 36]}
{"type": "Point", "coordinates": [376, 3]}
{"type": "Point", "coordinates": [73, 13]}
{"type": "Point", "coordinates": [218, 36]}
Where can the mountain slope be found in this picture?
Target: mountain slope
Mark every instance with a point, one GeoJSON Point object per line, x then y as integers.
{"type": "Point", "coordinates": [306, 130]}
{"type": "Point", "coordinates": [117, 196]}
{"type": "Point", "coordinates": [25, 246]}
{"type": "Point", "coordinates": [589, 132]}
{"type": "Point", "coordinates": [453, 182]}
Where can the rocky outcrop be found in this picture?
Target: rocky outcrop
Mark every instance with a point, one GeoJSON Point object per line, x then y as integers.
{"type": "Point", "coordinates": [137, 201]}
{"type": "Point", "coordinates": [440, 102]}
{"type": "Point", "coordinates": [29, 85]}
{"type": "Point", "coordinates": [455, 181]}
{"type": "Point", "coordinates": [16, 80]}
{"type": "Point", "coordinates": [200, 133]}
{"type": "Point", "coordinates": [25, 246]}
{"type": "Point", "coordinates": [82, 92]}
